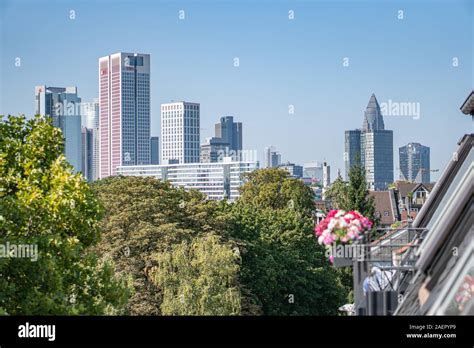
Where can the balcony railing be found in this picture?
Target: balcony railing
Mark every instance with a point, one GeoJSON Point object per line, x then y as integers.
{"type": "Point", "coordinates": [381, 261]}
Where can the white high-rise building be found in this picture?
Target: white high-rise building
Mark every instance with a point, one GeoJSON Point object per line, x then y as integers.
{"type": "Point", "coordinates": [180, 132]}
{"type": "Point", "coordinates": [272, 157]}
{"type": "Point", "coordinates": [326, 175]}
{"type": "Point", "coordinates": [124, 108]}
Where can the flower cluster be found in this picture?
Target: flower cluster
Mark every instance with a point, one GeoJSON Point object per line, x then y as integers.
{"type": "Point", "coordinates": [342, 228]}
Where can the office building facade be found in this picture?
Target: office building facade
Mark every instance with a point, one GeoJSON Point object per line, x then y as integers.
{"type": "Point", "coordinates": [377, 158]}
{"type": "Point", "coordinates": [414, 163]}
{"type": "Point", "coordinates": [63, 105]}
{"type": "Point", "coordinates": [90, 125]}
{"type": "Point", "coordinates": [124, 104]}
{"type": "Point", "coordinates": [352, 153]}
{"type": "Point", "coordinates": [326, 175]}
{"type": "Point", "coordinates": [227, 142]}
{"type": "Point", "coordinates": [217, 180]}
{"type": "Point", "coordinates": [272, 158]}
{"type": "Point", "coordinates": [214, 150]}
{"type": "Point", "coordinates": [88, 153]}
{"type": "Point", "coordinates": [180, 132]}
{"type": "Point", "coordinates": [230, 132]}
{"type": "Point", "coordinates": [155, 150]}
{"type": "Point", "coordinates": [295, 170]}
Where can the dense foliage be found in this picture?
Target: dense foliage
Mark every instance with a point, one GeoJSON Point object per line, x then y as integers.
{"type": "Point", "coordinates": [353, 195]}
{"type": "Point", "coordinates": [45, 205]}
{"type": "Point", "coordinates": [150, 230]}
{"type": "Point", "coordinates": [170, 243]}
{"type": "Point", "coordinates": [198, 278]}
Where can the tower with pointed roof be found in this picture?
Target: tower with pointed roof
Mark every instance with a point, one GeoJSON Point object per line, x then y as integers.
{"type": "Point", "coordinates": [372, 147]}
{"type": "Point", "coordinates": [373, 119]}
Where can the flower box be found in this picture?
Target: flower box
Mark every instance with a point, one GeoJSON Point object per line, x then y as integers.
{"type": "Point", "coordinates": [341, 229]}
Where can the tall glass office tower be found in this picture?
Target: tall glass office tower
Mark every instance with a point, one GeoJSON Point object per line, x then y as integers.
{"type": "Point", "coordinates": [90, 139]}
{"type": "Point", "coordinates": [124, 104]}
{"type": "Point", "coordinates": [230, 132]}
{"type": "Point", "coordinates": [352, 154]}
{"type": "Point", "coordinates": [227, 142]}
{"type": "Point", "coordinates": [373, 144]}
{"type": "Point", "coordinates": [155, 150]}
{"type": "Point", "coordinates": [415, 163]}
{"type": "Point", "coordinates": [63, 105]}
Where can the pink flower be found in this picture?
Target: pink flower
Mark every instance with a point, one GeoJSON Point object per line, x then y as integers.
{"type": "Point", "coordinates": [340, 227]}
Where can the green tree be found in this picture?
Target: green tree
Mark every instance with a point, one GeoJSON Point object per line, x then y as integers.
{"type": "Point", "coordinates": [198, 278]}
{"type": "Point", "coordinates": [45, 205]}
{"type": "Point", "coordinates": [358, 193]}
{"type": "Point", "coordinates": [148, 222]}
{"type": "Point", "coordinates": [285, 270]}
{"type": "Point", "coordinates": [274, 188]}
{"type": "Point", "coordinates": [352, 195]}
{"type": "Point", "coordinates": [337, 193]}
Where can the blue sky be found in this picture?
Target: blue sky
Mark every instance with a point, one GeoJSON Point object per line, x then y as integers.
{"type": "Point", "coordinates": [282, 62]}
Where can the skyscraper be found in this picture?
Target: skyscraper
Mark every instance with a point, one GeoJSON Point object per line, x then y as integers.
{"type": "Point", "coordinates": [227, 142]}
{"type": "Point", "coordinates": [415, 163]}
{"type": "Point", "coordinates": [124, 122]}
{"type": "Point", "coordinates": [155, 150]}
{"type": "Point", "coordinates": [88, 153]}
{"type": "Point", "coordinates": [374, 145]}
{"type": "Point", "coordinates": [90, 122]}
{"type": "Point", "coordinates": [180, 132]}
{"type": "Point", "coordinates": [272, 157]}
{"type": "Point", "coordinates": [90, 114]}
{"type": "Point", "coordinates": [230, 132]}
{"type": "Point", "coordinates": [63, 105]}
{"type": "Point", "coordinates": [352, 154]}
{"type": "Point", "coordinates": [326, 175]}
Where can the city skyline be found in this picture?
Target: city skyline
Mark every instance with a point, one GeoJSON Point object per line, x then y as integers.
{"type": "Point", "coordinates": [269, 82]}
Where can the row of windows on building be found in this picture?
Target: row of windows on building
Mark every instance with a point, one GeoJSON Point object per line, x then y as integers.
{"type": "Point", "coordinates": [170, 107]}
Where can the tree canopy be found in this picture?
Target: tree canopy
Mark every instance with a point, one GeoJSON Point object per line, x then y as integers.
{"type": "Point", "coordinates": [154, 232]}
{"type": "Point", "coordinates": [43, 204]}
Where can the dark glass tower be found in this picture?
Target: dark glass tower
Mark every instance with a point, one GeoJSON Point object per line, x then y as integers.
{"type": "Point", "coordinates": [352, 153]}
{"type": "Point", "coordinates": [414, 163]}
{"type": "Point", "coordinates": [230, 132]}
{"type": "Point", "coordinates": [226, 143]}
{"type": "Point", "coordinates": [154, 150]}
